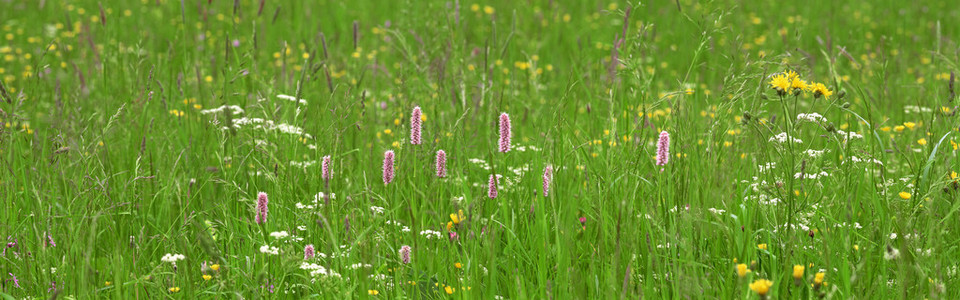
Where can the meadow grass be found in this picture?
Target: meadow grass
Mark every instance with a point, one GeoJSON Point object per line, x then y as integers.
{"type": "Point", "coordinates": [137, 135]}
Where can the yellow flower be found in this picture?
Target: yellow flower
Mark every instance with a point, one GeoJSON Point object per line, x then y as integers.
{"type": "Point", "coordinates": [780, 83]}
{"type": "Point", "coordinates": [922, 141]}
{"type": "Point", "coordinates": [791, 75]}
{"type": "Point", "coordinates": [174, 289]}
{"type": "Point", "coordinates": [910, 125]}
{"type": "Point", "coordinates": [449, 225]}
{"type": "Point", "coordinates": [488, 9]}
{"type": "Point", "coordinates": [818, 278]}
{"type": "Point", "coordinates": [215, 267]}
{"type": "Point", "coordinates": [799, 85]}
{"type": "Point", "coordinates": [742, 270]}
{"type": "Point", "coordinates": [458, 265]}
{"type": "Point", "coordinates": [761, 286]}
{"type": "Point", "coordinates": [819, 90]}
{"type": "Point", "coordinates": [905, 195]}
{"type": "Point", "coordinates": [762, 246]}
{"type": "Point", "coordinates": [448, 289]}
{"type": "Point", "coordinates": [373, 292]}
{"type": "Point", "coordinates": [108, 283]}
{"type": "Point", "coordinates": [797, 272]}
{"type": "Point", "coordinates": [899, 128]}
{"type": "Point", "coordinates": [207, 277]}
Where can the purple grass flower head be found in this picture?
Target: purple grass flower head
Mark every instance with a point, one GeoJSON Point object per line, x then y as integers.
{"type": "Point", "coordinates": [405, 254]}
{"type": "Point", "coordinates": [504, 132]}
{"type": "Point", "coordinates": [325, 167]}
{"type": "Point", "coordinates": [16, 282]}
{"type": "Point", "coordinates": [309, 252]}
{"type": "Point", "coordinates": [663, 149]}
{"type": "Point", "coordinates": [547, 179]}
{"type": "Point", "coordinates": [492, 187]}
{"type": "Point", "coordinates": [415, 126]}
{"type": "Point", "coordinates": [388, 167]}
{"type": "Point", "coordinates": [441, 163]}
{"type": "Point", "coordinates": [261, 208]}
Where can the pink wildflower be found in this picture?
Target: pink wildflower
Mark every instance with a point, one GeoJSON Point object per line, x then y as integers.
{"type": "Point", "coordinates": [405, 254]}
{"type": "Point", "coordinates": [663, 149]}
{"type": "Point", "coordinates": [441, 163]}
{"type": "Point", "coordinates": [415, 124]}
{"type": "Point", "coordinates": [504, 132]}
{"type": "Point", "coordinates": [261, 208]}
{"type": "Point", "coordinates": [547, 179]}
{"type": "Point", "coordinates": [309, 252]}
{"type": "Point", "coordinates": [492, 187]}
{"type": "Point", "coordinates": [388, 167]}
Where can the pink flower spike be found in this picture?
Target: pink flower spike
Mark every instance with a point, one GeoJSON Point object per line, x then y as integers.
{"type": "Point", "coordinates": [309, 252]}
{"type": "Point", "coordinates": [405, 254]}
{"type": "Point", "coordinates": [504, 132]}
{"type": "Point", "coordinates": [492, 188]}
{"type": "Point", "coordinates": [441, 163]}
{"type": "Point", "coordinates": [325, 167]}
{"type": "Point", "coordinates": [415, 126]}
{"type": "Point", "coordinates": [388, 167]}
{"type": "Point", "coordinates": [547, 179]}
{"type": "Point", "coordinates": [261, 208]}
{"type": "Point", "coordinates": [663, 149]}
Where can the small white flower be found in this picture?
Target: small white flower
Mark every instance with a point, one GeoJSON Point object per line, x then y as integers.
{"type": "Point", "coordinates": [376, 210]}
{"type": "Point", "coordinates": [267, 249]}
{"type": "Point", "coordinates": [279, 235]}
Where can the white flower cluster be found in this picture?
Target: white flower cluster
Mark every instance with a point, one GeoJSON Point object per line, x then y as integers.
{"type": "Point", "coordinates": [172, 258]}
{"type": "Point", "coordinates": [279, 235]}
{"type": "Point", "coordinates": [430, 234]}
{"type": "Point", "coordinates": [292, 98]}
{"type": "Point", "coordinates": [318, 270]}
{"type": "Point", "coordinates": [267, 249]}
{"type": "Point", "coordinates": [799, 175]}
{"type": "Point", "coordinates": [811, 117]}
{"type": "Point", "coordinates": [236, 109]}
{"type": "Point", "coordinates": [782, 138]}
{"type": "Point", "coordinates": [376, 210]}
{"type": "Point", "coordinates": [268, 125]}
{"type": "Point", "coordinates": [814, 153]}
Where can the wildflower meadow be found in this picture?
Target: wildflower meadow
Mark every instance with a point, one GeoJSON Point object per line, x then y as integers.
{"type": "Point", "coordinates": [457, 149]}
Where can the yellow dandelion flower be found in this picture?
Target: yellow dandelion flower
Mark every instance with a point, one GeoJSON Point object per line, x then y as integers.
{"type": "Point", "coordinates": [797, 272]}
{"type": "Point", "coordinates": [215, 267]}
{"type": "Point", "coordinates": [905, 195]}
{"type": "Point", "coordinates": [761, 286]}
{"type": "Point", "coordinates": [780, 83]}
{"type": "Point", "coordinates": [742, 270]}
{"type": "Point", "coordinates": [820, 90]}
{"type": "Point", "coordinates": [818, 278]}
{"type": "Point", "coordinates": [922, 141]}
{"type": "Point", "coordinates": [910, 125]}
{"type": "Point", "coordinates": [207, 277]}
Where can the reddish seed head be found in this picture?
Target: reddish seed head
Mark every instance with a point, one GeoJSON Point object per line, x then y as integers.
{"type": "Point", "coordinates": [663, 149]}
{"type": "Point", "coordinates": [388, 167]}
{"type": "Point", "coordinates": [441, 163]}
{"type": "Point", "coordinates": [492, 187]}
{"type": "Point", "coordinates": [547, 179]}
{"type": "Point", "coordinates": [261, 208]}
{"type": "Point", "coordinates": [504, 132]}
{"type": "Point", "coordinates": [415, 126]}
{"type": "Point", "coordinates": [308, 252]}
{"type": "Point", "coordinates": [405, 254]}
{"type": "Point", "coordinates": [325, 166]}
